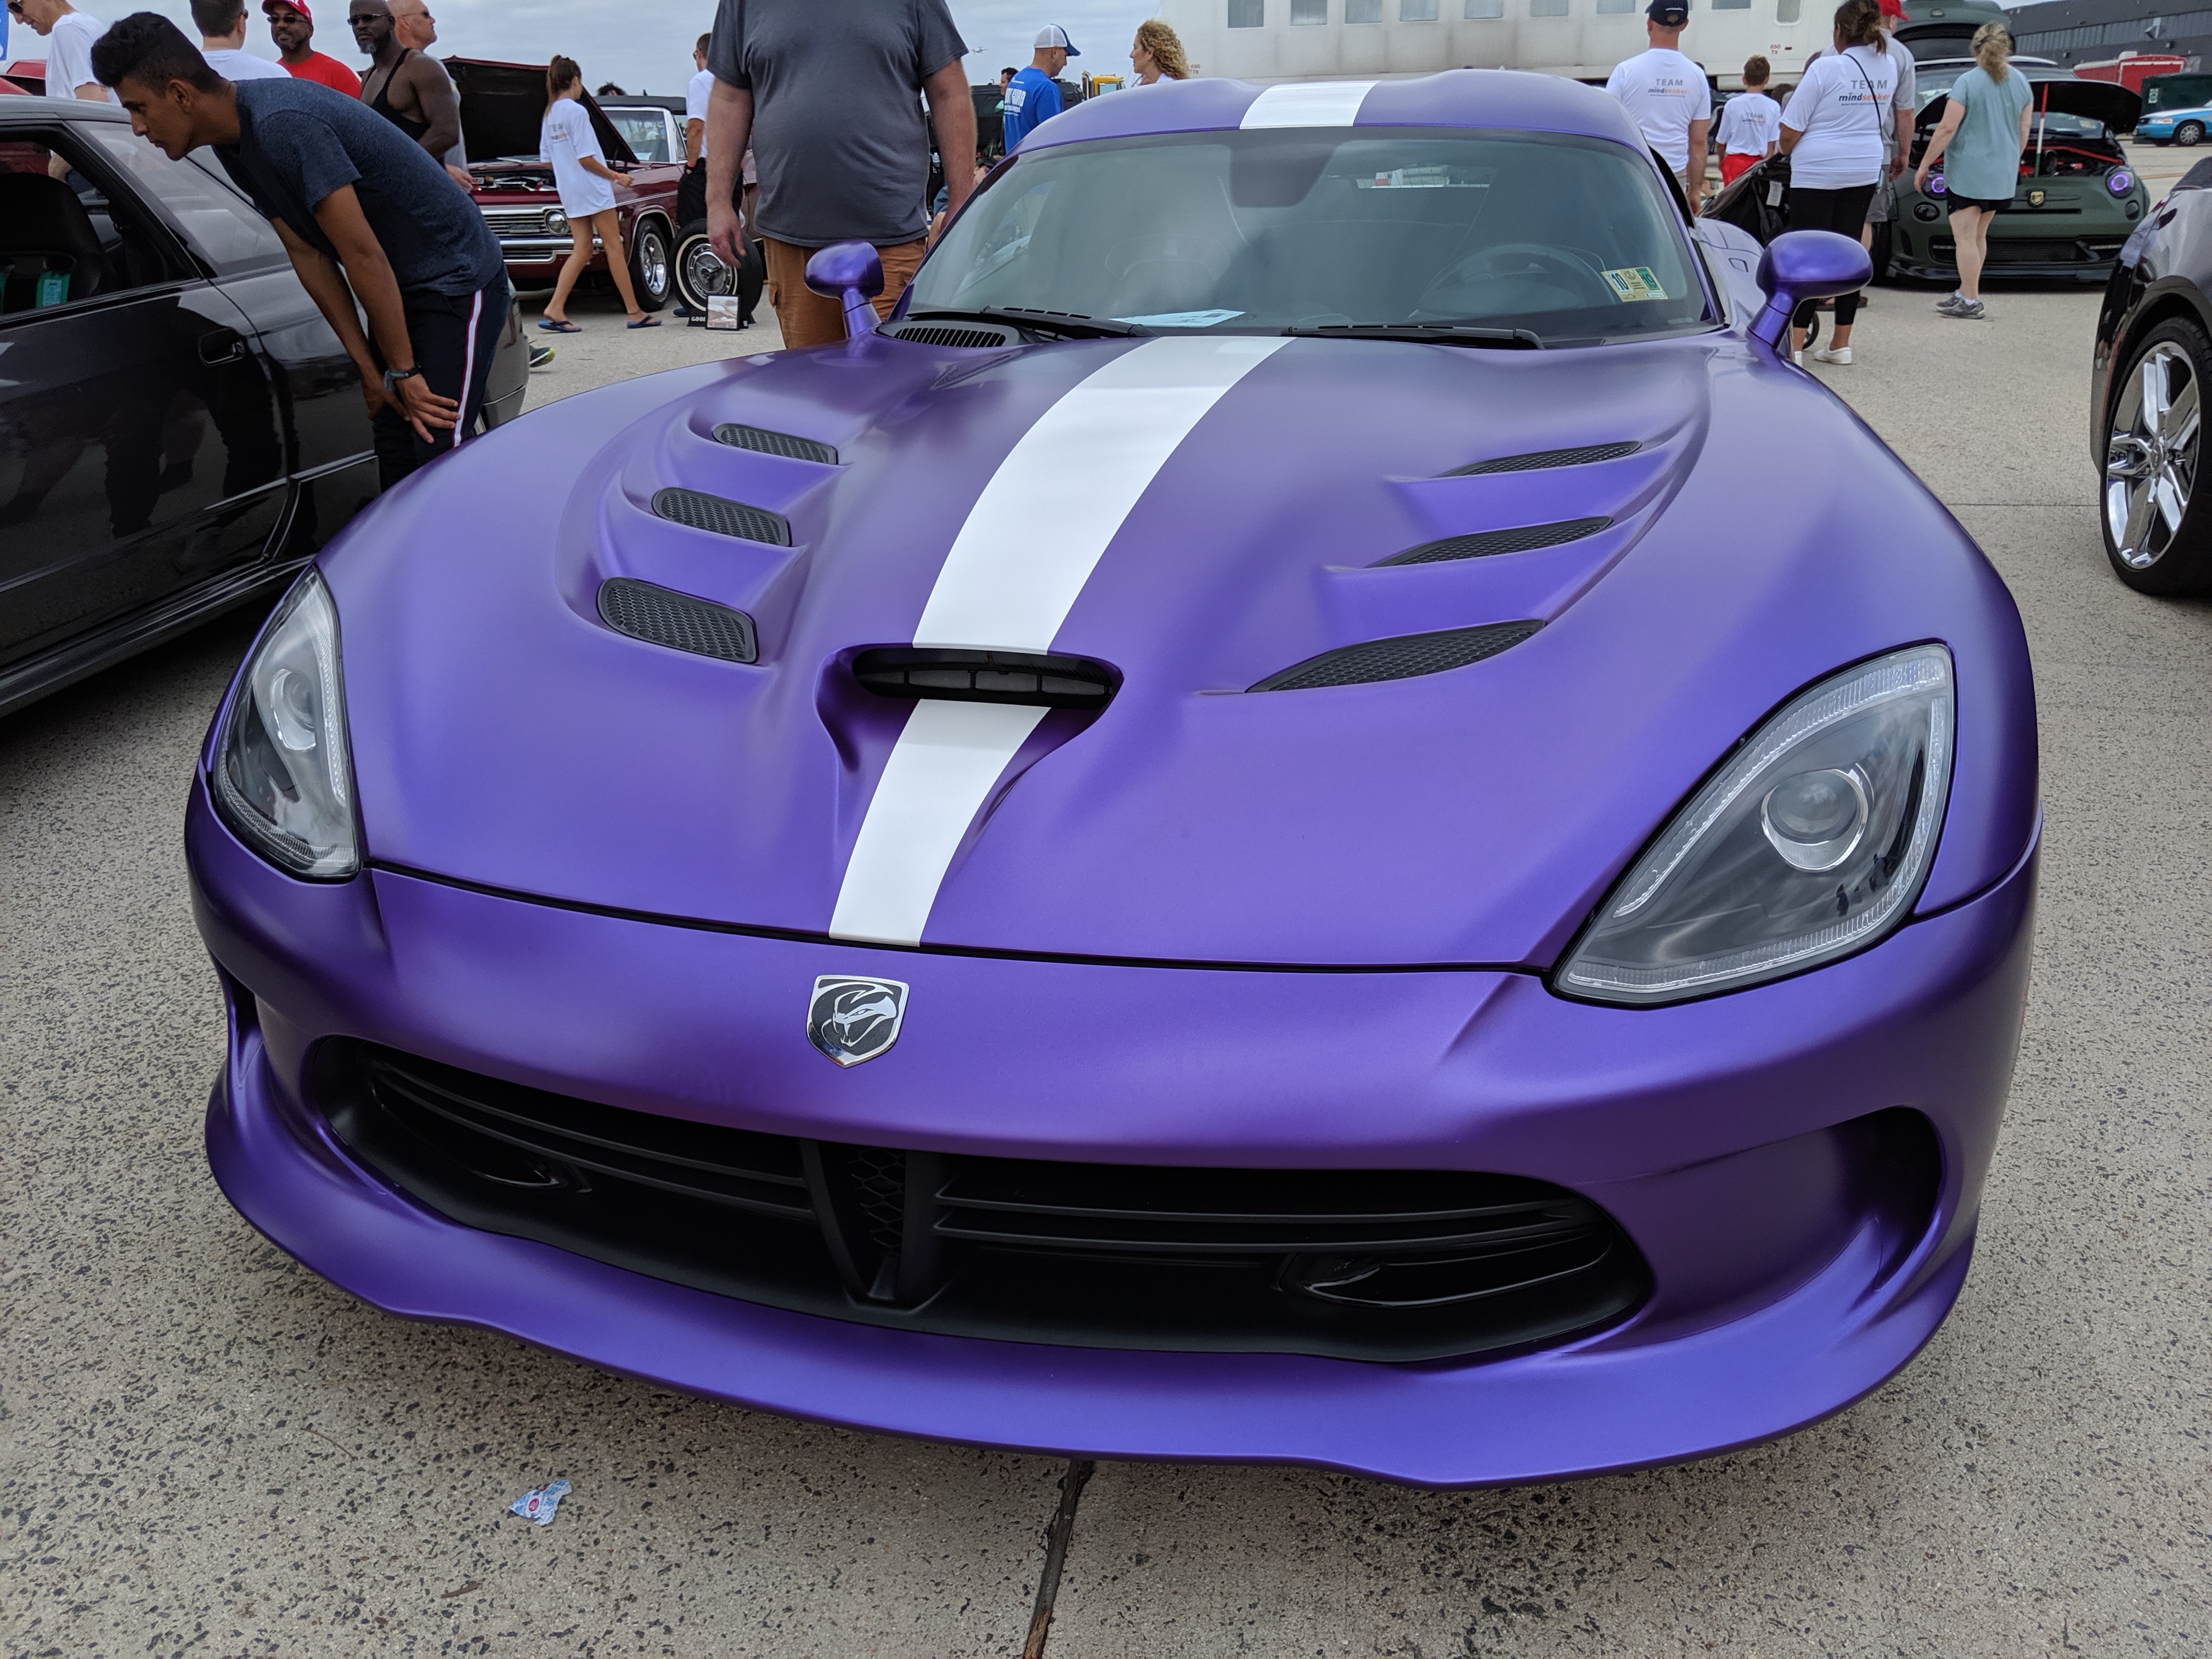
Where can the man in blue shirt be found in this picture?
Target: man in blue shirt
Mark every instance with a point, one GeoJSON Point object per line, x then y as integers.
{"type": "Point", "coordinates": [1033, 96]}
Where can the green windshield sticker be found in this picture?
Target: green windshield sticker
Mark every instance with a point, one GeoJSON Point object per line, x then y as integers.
{"type": "Point", "coordinates": [53, 288]}
{"type": "Point", "coordinates": [1636, 282]}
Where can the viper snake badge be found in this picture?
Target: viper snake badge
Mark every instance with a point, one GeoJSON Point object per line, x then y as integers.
{"type": "Point", "coordinates": [852, 1019]}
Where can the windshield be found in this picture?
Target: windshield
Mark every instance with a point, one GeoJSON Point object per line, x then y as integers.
{"type": "Point", "coordinates": [644, 131]}
{"type": "Point", "coordinates": [1567, 238]}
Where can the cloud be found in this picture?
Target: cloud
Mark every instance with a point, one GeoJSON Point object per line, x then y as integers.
{"type": "Point", "coordinates": [648, 48]}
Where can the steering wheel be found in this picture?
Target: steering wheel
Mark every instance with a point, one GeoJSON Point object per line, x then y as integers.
{"type": "Point", "coordinates": [1579, 273]}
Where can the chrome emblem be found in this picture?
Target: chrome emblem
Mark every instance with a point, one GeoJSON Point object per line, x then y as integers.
{"type": "Point", "coordinates": [2035, 198]}
{"type": "Point", "coordinates": [852, 1019]}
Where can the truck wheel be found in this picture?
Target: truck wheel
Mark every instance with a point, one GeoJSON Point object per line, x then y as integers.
{"type": "Point", "coordinates": [650, 269]}
{"type": "Point", "coordinates": [2189, 134]}
{"type": "Point", "coordinates": [2156, 532]}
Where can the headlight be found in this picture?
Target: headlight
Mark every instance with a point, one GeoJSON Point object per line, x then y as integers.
{"type": "Point", "coordinates": [1935, 184]}
{"type": "Point", "coordinates": [2120, 181]}
{"type": "Point", "coordinates": [555, 222]}
{"type": "Point", "coordinates": [283, 778]}
{"type": "Point", "coordinates": [1810, 843]}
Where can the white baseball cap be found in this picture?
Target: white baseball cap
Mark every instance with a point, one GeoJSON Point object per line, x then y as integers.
{"type": "Point", "coordinates": [1052, 35]}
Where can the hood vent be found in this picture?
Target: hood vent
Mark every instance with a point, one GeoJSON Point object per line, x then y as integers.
{"type": "Point", "coordinates": [765, 442]}
{"type": "Point", "coordinates": [964, 334]}
{"type": "Point", "coordinates": [660, 615]}
{"type": "Point", "coordinates": [1538, 460]}
{"type": "Point", "coordinates": [1030, 678]}
{"type": "Point", "coordinates": [1526, 539]}
{"type": "Point", "coordinates": [724, 517]}
{"type": "Point", "coordinates": [1401, 659]}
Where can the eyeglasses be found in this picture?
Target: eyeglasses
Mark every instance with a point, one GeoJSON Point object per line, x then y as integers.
{"type": "Point", "coordinates": [16, 8]}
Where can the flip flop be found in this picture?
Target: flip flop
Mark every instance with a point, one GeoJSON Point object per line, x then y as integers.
{"type": "Point", "coordinates": [563, 327]}
{"type": "Point", "coordinates": [644, 322]}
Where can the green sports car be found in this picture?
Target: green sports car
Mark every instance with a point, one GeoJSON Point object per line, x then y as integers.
{"type": "Point", "coordinates": [2077, 198]}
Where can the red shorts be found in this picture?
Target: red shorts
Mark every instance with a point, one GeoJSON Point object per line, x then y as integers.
{"type": "Point", "coordinates": [1735, 167]}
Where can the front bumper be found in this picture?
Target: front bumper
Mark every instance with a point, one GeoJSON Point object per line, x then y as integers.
{"type": "Point", "coordinates": [1784, 1283]}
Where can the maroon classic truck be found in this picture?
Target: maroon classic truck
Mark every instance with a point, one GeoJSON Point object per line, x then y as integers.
{"type": "Point", "coordinates": [502, 106]}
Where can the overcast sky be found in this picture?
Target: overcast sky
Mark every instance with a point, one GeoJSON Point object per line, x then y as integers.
{"type": "Point", "coordinates": [648, 47]}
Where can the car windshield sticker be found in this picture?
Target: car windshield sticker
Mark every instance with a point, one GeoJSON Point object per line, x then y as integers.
{"type": "Point", "coordinates": [1636, 282]}
{"type": "Point", "coordinates": [1183, 319]}
{"type": "Point", "coordinates": [1427, 178]}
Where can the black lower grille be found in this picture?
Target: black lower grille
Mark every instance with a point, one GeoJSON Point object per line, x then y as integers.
{"type": "Point", "coordinates": [1523, 539]}
{"type": "Point", "coordinates": [1406, 657]}
{"type": "Point", "coordinates": [1364, 1264]}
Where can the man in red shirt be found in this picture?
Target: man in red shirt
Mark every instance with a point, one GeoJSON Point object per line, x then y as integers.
{"type": "Point", "coordinates": [292, 27]}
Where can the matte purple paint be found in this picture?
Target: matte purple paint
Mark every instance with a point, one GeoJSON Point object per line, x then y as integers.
{"type": "Point", "coordinates": [1453, 829]}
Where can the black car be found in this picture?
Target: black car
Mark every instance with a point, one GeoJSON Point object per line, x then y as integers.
{"type": "Point", "coordinates": [179, 427]}
{"type": "Point", "coordinates": [2153, 353]}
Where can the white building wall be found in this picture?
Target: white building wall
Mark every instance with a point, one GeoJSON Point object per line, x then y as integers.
{"type": "Point", "coordinates": [1583, 44]}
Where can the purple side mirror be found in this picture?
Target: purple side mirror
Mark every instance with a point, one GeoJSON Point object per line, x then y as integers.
{"type": "Point", "coordinates": [854, 271]}
{"type": "Point", "coordinates": [1797, 266]}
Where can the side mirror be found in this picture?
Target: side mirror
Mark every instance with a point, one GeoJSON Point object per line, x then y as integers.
{"type": "Point", "coordinates": [1797, 266]}
{"type": "Point", "coordinates": [854, 272]}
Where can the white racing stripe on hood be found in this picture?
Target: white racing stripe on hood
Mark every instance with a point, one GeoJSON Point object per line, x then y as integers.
{"type": "Point", "coordinates": [1307, 104]}
{"type": "Point", "coordinates": [1030, 543]}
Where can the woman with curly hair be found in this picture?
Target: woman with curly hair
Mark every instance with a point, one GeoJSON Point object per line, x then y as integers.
{"type": "Point", "coordinates": [1158, 54]}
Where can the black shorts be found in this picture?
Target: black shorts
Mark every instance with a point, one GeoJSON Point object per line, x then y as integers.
{"type": "Point", "coordinates": [1960, 203]}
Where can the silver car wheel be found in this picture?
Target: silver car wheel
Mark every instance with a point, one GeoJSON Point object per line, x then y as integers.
{"type": "Point", "coordinates": [703, 270]}
{"type": "Point", "coordinates": [653, 261]}
{"type": "Point", "coordinates": [2150, 456]}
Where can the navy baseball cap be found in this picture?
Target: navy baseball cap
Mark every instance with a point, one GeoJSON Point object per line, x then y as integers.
{"type": "Point", "coordinates": [1667, 14]}
{"type": "Point", "coordinates": [1052, 35]}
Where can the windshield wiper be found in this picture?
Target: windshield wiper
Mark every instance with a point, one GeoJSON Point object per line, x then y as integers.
{"type": "Point", "coordinates": [1509, 339]}
{"type": "Point", "coordinates": [1073, 324]}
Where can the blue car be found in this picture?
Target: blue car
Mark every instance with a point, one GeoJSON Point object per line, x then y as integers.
{"type": "Point", "coordinates": [2184, 127]}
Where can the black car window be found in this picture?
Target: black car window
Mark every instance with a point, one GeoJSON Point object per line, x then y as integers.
{"type": "Point", "coordinates": [221, 226]}
{"type": "Point", "coordinates": [62, 239]}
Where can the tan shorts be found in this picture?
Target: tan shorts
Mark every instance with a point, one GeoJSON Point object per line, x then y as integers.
{"type": "Point", "coordinates": [809, 319]}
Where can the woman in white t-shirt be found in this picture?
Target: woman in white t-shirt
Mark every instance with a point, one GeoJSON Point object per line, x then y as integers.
{"type": "Point", "coordinates": [586, 184]}
{"type": "Point", "coordinates": [1832, 133]}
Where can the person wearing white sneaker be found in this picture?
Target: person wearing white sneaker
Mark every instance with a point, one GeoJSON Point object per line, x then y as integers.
{"type": "Point", "coordinates": [1832, 133]}
{"type": "Point", "coordinates": [1979, 141]}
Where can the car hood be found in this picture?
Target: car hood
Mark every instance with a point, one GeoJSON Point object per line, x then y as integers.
{"type": "Point", "coordinates": [2094, 101]}
{"type": "Point", "coordinates": [506, 736]}
{"type": "Point", "coordinates": [503, 106]}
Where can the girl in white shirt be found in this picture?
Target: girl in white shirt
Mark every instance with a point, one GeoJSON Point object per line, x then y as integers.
{"type": "Point", "coordinates": [586, 184]}
{"type": "Point", "coordinates": [1832, 133]}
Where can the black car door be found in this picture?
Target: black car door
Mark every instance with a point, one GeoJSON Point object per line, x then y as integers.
{"type": "Point", "coordinates": [329, 446]}
{"type": "Point", "coordinates": [141, 454]}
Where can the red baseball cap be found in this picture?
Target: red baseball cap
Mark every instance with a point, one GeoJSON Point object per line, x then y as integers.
{"type": "Point", "coordinates": [300, 6]}
{"type": "Point", "coordinates": [1892, 9]}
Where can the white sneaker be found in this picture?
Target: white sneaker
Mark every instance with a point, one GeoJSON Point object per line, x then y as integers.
{"type": "Point", "coordinates": [1798, 357]}
{"type": "Point", "coordinates": [1839, 355]}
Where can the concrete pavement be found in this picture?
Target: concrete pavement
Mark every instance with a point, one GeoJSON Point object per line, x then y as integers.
{"type": "Point", "coordinates": [206, 1449]}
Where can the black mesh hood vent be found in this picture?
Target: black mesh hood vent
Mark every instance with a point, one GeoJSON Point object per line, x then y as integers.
{"type": "Point", "coordinates": [660, 615]}
{"type": "Point", "coordinates": [1537, 460]}
{"type": "Point", "coordinates": [724, 517]}
{"type": "Point", "coordinates": [774, 443]}
{"type": "Point", "coordinates": [955, 674]}
{"type": "Point", "coordinates": [1401, 659]}
{"type": "Point", "coordinates": [1525, 539]}
{"type": "Point", "coordinates": [956, 334]}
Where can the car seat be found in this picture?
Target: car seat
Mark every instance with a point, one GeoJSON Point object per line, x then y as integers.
{"type": "Point", "coordinates": [44, 229]}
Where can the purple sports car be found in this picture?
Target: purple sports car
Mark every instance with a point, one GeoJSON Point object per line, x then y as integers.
{"type": "Point", "coordinates": [1315, 811]}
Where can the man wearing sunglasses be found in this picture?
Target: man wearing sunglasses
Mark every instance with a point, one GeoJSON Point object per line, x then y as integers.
{"type": "Point", "coordinates": [69, 34]}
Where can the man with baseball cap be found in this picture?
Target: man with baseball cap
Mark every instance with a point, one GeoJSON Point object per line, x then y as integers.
{"type": "Point", "coordinates": [1033, 96]}
{"type": "Point", "coordinates": [292, 27]}
{"type": "Point", "coordinates": [1668, 96]}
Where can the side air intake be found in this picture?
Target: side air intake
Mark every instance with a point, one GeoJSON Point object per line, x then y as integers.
{"type": "Point", "coordinates": [962, 334]}
{"type": "Point", "coordinates": [660, 615]}
{"type": "Point", "coordinates": [1537, 460]}
{"type": "Point", "coordinates": [724, 517]}
{"type": "Point", "coordinates": [1401, 659]}
{"type": "Point", "coordinates": [759, 438]}
{"type": "Point", "coordinates": [1031, 679]}
{"type": "Point", "coordinates": [1526, 539]}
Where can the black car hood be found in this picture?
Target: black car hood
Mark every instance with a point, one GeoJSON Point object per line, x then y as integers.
{"type": "Point", "coordinates": [2093, 100]}
{"type": "Point", "coordinates": [503, 106]}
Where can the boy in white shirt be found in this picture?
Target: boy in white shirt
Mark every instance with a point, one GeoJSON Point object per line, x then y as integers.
{"type": "Point", "coordinates": [221, 24]}
{"type": "Point", "coordinates": [1668, 96]}
{"type": "Point", "coordinates": [1751, 123]}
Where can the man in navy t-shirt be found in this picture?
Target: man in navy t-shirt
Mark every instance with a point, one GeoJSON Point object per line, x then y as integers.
{"type": "Point", "coordinates": [366, 215]}
{"type": "Point", "coordinates": [1033, 96]}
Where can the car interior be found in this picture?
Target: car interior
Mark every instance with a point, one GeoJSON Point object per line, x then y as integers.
{"type": "Point", "coordinates": [61, 239]}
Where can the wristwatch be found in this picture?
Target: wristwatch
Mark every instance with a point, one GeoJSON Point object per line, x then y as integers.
{"type": "Point", "coordinates": [393, 377]}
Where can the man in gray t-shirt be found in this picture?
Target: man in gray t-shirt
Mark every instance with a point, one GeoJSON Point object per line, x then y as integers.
{"type": "Point", "coordinates": [827, 94]}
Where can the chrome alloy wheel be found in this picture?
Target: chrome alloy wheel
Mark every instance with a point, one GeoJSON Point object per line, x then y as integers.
{"type": "Point", "coordinates": [2151, 457]}
{"type": "Point", "coordinates": [652, 263]}
{"type": "Point", "coordinates": [704, 273]}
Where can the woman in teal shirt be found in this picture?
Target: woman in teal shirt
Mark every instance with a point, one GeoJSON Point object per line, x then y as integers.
{"type": "Point", "coordinates": [1982, 132]}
